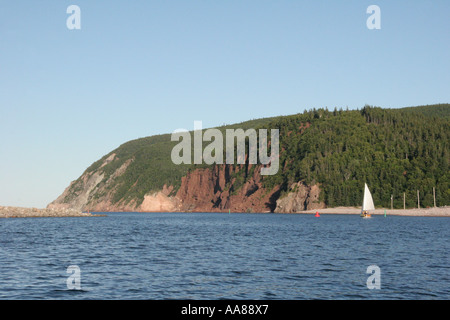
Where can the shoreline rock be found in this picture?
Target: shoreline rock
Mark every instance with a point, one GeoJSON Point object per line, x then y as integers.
{"type": "Point", "coordinates": [19, 212]}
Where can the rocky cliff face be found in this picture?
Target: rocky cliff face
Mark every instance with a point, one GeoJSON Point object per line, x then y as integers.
{"type": "Point", "coordinates": [299, 198]}
{"type": "Point", "coordinates": [219, 189]}
{"type": "Point", "coordinates": [236, 188]}
{"type": "Point", "coordinates": [93, 191]}
{"type": "Point", "coordinates": [202, 190]}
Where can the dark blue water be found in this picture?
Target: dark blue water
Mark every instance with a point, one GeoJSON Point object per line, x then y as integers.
{"type": "Point", "coordinates": [224, 256]}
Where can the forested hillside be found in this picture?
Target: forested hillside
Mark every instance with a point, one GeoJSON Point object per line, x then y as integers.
{"type": "Point", "coordinates": [395, 151]}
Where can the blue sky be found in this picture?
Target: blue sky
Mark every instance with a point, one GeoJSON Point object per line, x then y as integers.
{"type": "Point", "coordinates": [139, 68]}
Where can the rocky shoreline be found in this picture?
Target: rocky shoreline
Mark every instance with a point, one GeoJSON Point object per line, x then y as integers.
{"type": "Point", "coordinates": [17, 212]}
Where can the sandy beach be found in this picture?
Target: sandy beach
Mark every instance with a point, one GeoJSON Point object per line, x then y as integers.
{"type": "Point", "coordinates": [425, 212]}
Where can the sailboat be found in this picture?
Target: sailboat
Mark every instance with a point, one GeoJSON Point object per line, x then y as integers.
{"type": "Point", "coordinates": [367, 203]}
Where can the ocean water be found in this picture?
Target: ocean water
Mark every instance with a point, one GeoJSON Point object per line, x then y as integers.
{"type": "Point", "coordinates": [224, 256]}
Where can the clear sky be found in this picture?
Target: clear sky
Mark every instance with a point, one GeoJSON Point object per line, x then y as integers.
{"type": "Point", "coordinates": [139, 68]}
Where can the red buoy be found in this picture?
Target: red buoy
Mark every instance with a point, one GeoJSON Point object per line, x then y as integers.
{"type": "Point", "coordinates": [317, 214]}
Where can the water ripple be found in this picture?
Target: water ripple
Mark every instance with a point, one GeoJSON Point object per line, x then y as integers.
{"type": "Point", "coordinates": [216, 256]}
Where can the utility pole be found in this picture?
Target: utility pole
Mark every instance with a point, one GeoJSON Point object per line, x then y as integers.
{"type": "Point", "coordinates": [434, 196]}
{"type": "Point", "coordinates": [418, 201]}
{"type": "Point", "coordinates": [392, 201]}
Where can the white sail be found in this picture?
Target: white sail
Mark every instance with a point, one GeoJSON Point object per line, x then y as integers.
{"type": "Point", "coordinates": [367, 201]}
